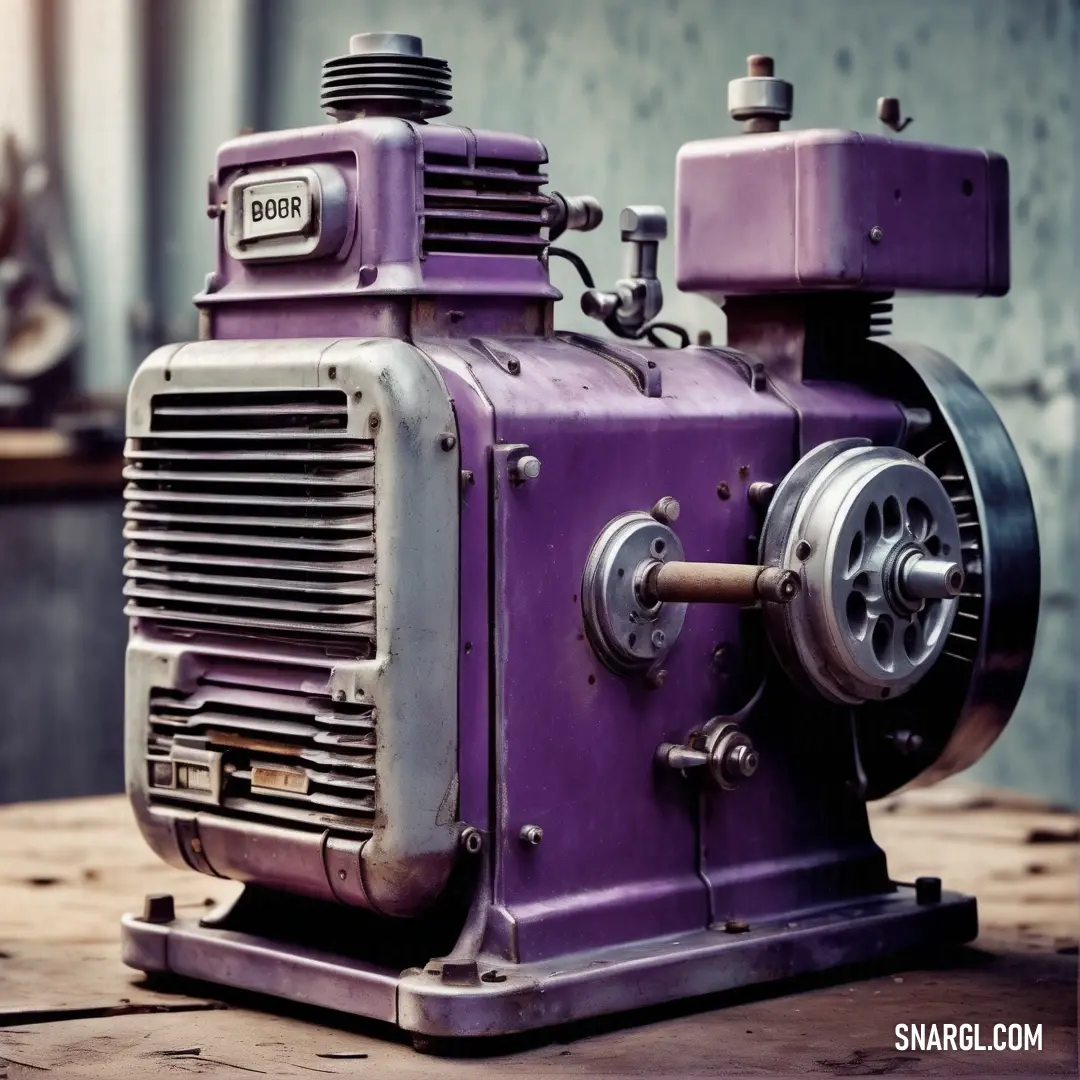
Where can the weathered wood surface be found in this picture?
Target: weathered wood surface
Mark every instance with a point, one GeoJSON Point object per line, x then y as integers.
{"type": "Point", "coordinates": [34, 460]}
{"type": "Point", "coordinates": [67, 1005]}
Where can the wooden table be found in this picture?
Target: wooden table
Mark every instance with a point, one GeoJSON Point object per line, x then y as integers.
{"type": "Point", "coordinates": [37, 461]}
{"type": "Point", "coordinates": [67, 1005]}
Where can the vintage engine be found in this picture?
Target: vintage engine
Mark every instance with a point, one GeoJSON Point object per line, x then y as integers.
{"type": "Point", "coordinates": [524, 676]}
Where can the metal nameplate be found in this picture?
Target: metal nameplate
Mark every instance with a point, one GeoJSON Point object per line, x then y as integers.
{"type": "Point", "coordinates": [286, 213]}
{"type": "Point", "coordinates": [280, 208]}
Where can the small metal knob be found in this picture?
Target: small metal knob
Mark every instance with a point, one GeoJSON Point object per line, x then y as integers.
{"type": "Point", "coordinates": [577, 213]}
{"type": "Point", "coordinates": [759, 100]}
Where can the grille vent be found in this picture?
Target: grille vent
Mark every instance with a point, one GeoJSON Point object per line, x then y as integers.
{"type": "Point", "coordinates": [252, 513]}
{"type": "Point", "coordinates": [492, 207]}
{"type": "Point", "coordinates": [267, 742]}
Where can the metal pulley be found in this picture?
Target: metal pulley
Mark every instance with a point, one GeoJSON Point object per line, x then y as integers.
{"type": "Point", "coordinates": [874, 535]}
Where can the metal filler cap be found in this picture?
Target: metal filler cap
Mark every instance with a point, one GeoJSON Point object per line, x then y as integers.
{"type": "Point", "coordinates": [759, 100]}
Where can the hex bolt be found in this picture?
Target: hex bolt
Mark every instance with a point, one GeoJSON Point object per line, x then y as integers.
{"type": "Point", "coordinates": [877, 234]}
{"type": "Point", "coordinates": [666, 510]}
{"type": "Point", "coordinates": [526, 467]}
{"type": "Point", "coordinates": [927, 890]}
{"type": "Point", "coordinates": [447, 442]}
{"type": "Point", "coordinates": [531, 834]}
{"type": "Point", "coordinates": [736, 926]}
{"type": "Point", "coordinates": [658, 639]}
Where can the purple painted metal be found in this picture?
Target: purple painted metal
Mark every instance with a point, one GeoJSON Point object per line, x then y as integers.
{"type": "Point", "coordinates": [825, 209]}
{"type": "Point", "coordinates": [384, 163]}
{"type": "Point", "coordinates": [620, 855]}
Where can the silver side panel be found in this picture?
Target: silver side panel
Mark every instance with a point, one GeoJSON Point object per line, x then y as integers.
{"type": "Point", "coordinates": [409, 684]}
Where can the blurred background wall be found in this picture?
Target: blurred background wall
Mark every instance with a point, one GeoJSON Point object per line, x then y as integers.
{"type": "Point", "coordinates": [127, 100]}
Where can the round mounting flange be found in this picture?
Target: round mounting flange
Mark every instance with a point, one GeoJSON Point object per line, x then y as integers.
{"type": "Point", "coordinates": [873, 534]}
{"type": "Point", "coordinates": [628, 634]}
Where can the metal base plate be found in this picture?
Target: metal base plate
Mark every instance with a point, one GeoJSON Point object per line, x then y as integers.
{"type": "Point", "coordinates": [510, 998]}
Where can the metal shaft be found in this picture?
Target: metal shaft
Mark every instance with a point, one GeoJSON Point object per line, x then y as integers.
{"type": "Point", "coordinates": [719, 583]}
{"type": "Point", "coordinates": [925, 578]}
{"type": "Point", "coordinates": [681, 757]}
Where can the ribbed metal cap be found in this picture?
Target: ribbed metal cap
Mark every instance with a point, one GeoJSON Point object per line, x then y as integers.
{"type": "Point", "coordinates": [386, 74]}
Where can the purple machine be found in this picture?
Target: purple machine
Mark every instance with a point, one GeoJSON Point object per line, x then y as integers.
{"type": "Point", "coordinates": [525, 676]}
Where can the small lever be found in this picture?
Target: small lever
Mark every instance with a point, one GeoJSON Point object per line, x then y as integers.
{"type": "Point", "coordinates": [722, 750]}
{"type": "Point", "coordinates": [888, 112]}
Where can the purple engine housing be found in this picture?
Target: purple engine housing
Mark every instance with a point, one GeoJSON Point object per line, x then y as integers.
{"type": "Point", "coordinates": [635, 884]}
